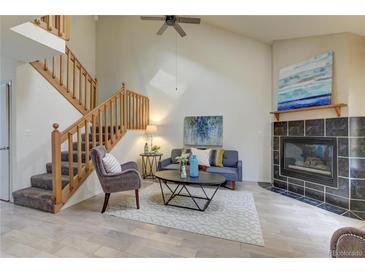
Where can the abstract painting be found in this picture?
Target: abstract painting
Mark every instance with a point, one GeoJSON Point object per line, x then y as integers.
{"type": "Point", "coordinates": [203, 131]}
{"type": "Point", "coordinates": [306, 84]}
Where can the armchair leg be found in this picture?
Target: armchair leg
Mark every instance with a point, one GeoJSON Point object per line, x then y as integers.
{"type": "Point", "coordinates": [106, 200]}
{"type": "Point", "coordinates": [233, 184]}
{"type": "Point", "coordinates": [137, 197]}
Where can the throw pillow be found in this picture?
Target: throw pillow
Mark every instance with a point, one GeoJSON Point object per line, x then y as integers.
{"type": "Point", "coordinates": [217, 157]}
{"type": "Point", "coordinates": [111, 164]}
{"type": "Point", "coordinates": [203, 156]}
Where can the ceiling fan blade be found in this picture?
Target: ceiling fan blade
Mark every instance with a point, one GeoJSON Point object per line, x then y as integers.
{"type": "Point", "coordinates": [162, 29]}
{"type": "Point", "coordinates": [189, 20]}
{"type": "Point", "coordinates": [158, 18]}
{"type": "Point", "coordinates": [179, 30]}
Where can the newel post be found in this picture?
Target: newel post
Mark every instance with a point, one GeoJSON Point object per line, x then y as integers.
{"type": "Point", "coordinates": [56, 165]}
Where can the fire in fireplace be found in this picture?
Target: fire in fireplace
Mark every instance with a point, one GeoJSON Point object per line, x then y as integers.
{"type": "Point", "coordinates": [309, 158]}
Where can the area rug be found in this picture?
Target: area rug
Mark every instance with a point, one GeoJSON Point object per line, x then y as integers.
{"type": "Point", "coordinates": [231, 215]}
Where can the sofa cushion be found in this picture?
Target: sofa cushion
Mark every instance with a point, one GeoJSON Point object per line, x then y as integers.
{"type": "Point", "coordinates": [216, 157]}
{"type": "Point", "coordinates": [203, 156]}
{"type": "Point", "coordinates": [171, 167]}
{"type": "Point", "coordinates": [230, 173]}
{"type": "Point", "coordinates": [175, 153]}
{"type": "Point", "coordinates": [230, 158]}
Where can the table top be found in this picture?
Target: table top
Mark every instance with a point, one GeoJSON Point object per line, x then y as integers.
{"type": "Point", "coordinates": [205, 178]}
{"type": "Point", "coordinates": [151, 154]}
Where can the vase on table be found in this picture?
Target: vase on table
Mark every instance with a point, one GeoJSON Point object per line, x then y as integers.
{"type": "Point", "coordinates": [194, 166]}
{"type": "Point", "coordinates": [183, 172]}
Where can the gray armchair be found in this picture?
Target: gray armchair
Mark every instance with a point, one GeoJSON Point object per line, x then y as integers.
{"type": "Point", "coordinates": [348, 242]}
{"type": "Point", "coordinates": [128, 179]}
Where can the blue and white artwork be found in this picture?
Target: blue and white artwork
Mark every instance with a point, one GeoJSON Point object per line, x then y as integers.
{"type": "Point", "coordinates": [306, 84]}
{"type": "Point", "coordinates": [203, 131]}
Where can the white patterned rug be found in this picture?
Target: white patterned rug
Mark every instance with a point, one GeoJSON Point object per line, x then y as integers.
{"type": "Point", "coordinates": [231, 215]}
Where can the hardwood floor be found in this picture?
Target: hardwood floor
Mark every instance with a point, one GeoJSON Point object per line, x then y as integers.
{"type": "Point", "coordinates": [290, 229]}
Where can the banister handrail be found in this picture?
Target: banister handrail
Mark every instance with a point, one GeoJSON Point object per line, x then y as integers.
{"type": "Point", "coordinates": [58, 25]}
{"type": "Point", "coordinates": [106, 124]}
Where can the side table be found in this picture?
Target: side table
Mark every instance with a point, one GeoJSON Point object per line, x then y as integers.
{"type": "Point", "coordinates": [149, 164]}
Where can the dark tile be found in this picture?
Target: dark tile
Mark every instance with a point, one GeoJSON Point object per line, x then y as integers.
{"type": "Point", "coordinates": [343, 167]}
{"type": "Point", "coordinates": [292, 195]}
{"type": "Point", "coordinates": [280, 184]}
{"type": "Point", "coordinates": [343, 147]}
{"type": "Point", "coordinates": [342, 190]}
{"type": "Point", "coordinates": [265, 184]}
{"type": "Point", "coordinates": [333, 209]}
{"type": "Point", "coordinates": [296, 181]}
{"type": "Point", "coordinates": [337, 127]}
{"type": "Point", "coordinates": [358, 189]}
{"type": "Point", "coordinates": [319, 196]}
{"type": "Point", "coordinates": [296, 128]}
{"type": "Point", "coordinates": [280, 128]}
{"type": "Point", "coordinates": [358, 205]}
{"type": "Point", "coordinates": [337, 201]}
{"type": "Point", "coordinates": [351, 215]}
{"type": "Point", "coordinates": [277, 174]}
{"type": "Point", "coordinates": [295, 188]}
{"type": "Point", "coordinates": [357, 168]}
{"type": "Point", "coordinates": [314, 127]}
{"type": "Point", "coordinates": [360, 214]}
{"type": "Point", "coordinates": [314, 186]}
{"type": "Point", "coordinates": [277, 190]}
{"type": "Point", "coordinates": [357, 147]}
{"type": "Point", "coordinates": [276, 143]}
{"type": "Point", "coordinates": [311, 201]}
{"type": "Point", "coordinates": [357, 126]}
{"type": "Point", "coordinates": [276, 157]}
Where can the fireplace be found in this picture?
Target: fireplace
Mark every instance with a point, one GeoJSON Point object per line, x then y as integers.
{"type": "Point", "coordinates": [312, 159]}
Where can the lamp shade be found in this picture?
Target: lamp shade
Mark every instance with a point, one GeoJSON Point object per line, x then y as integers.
{"type": "Point", "coordinates": [151, 129]}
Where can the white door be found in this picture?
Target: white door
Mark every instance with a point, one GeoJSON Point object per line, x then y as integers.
{"type": "Point", "coordinates": [4, 141]}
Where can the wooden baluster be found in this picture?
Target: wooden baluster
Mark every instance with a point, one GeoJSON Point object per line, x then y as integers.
{"type": "Point", "coordinates": [70, 160]}
{"type": "Point", "coordinates": [87, 144]}
{"type": "Point", "coordinates": [67, 26]}
{"type": "Point", "coordinates": [121, 112]}
{"type": "Point", "coordinates": [111, 122]}
{"type": "Point", "coordinates": [100, 128]}
{"type": "Point", "coordinates": [85, 102]}
{"type": "Point", "coordinates": [148, 111]}
{"type": "Point", "coordinates": [60, 26]}
{"type": "Point", "coordinates": [53, 67]}
{"type": "Point", "coordinates": [94, 130]}
{"type": "Point", "coordinates": [61, 71]}
{"type": "Point", "coordinates": [140, 112]}
{"type": "Point", "coordinates": [68, 70]}
{"type": "Point", "coordinates": [134, 111]}
{"type": "Point", "coordinates": [79, 153]}
{"type": "Point", "coordinates": [96, 93]}
{"type": "Point", "coordinates": [80, 86]}
{"type": "Point", "coordinates": [49, 23]}
{"type": "Point", "coordinates": [117, 124]}
{"type": "Point", "coordinates": [91, 101]}
{"type": "Point", "coordinates": [143, 113]}
{"type": "Point", "coordinates": [128, 109]}
{"type": "Point", "coordinates": [45, 66]}
{"type": "Point", "coordinates": [125, 109]}
{"type": "Point", "coordinates": [106, 134]}
{"type": "Point", "coordinates": [74, 80]}
{"type": "Point", "coordinates": [56, 165]}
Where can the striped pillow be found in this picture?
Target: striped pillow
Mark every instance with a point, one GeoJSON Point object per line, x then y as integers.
{"type": "Point", "coordinates": [217, 157]}
{"type": "Point", "coordinates": [111, 164]}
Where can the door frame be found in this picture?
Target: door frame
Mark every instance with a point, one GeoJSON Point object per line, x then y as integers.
{"type": "Point", "coordinates": [8, 85]}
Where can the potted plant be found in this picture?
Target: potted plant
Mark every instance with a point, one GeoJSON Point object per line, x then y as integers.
{"type": "Point", "coordinates": [155, 149]}
{"type": "Point", "coordinates": [182, 160]}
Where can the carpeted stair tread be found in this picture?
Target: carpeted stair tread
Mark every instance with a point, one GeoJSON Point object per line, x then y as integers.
{"type": "Point", "coordinates": [64, 168]}
{"type": "Point", "coordinates": [44, 181]}
{"type": "Point", "coordinates": [35, 198]}
{"type": "Point", "coordinates": [83, 145]}
{"type": "Point", "coordinates": [64, 156]}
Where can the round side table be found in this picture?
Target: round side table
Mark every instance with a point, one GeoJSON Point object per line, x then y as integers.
{"type": "Point", "coordinates": [149, 164]}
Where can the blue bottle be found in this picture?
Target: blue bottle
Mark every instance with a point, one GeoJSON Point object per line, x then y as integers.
{"type": "Point", "coordinates": [194, 167]}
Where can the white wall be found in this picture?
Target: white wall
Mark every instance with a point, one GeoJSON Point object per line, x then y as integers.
{"type": "Point", "coordinates": [38, 106]}
{"type": "Point", "coordinates": [349, 70]}
{"type": "Point", "coordinates": [219, 73]}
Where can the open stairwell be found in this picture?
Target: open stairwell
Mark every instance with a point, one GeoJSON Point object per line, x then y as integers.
{"type": "Point", "coordinates": [101, 124]}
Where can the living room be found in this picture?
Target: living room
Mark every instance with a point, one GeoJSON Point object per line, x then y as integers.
{"type": "Point", "coordinates": [211, 136]}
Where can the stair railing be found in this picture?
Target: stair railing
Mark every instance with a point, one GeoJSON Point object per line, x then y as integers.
{"type": "Point", "coordinates": [106, 124]}
{"type": "Point", "coordinates": [56, 24]}
{"type": "Point", "coordinates": [71, 79]}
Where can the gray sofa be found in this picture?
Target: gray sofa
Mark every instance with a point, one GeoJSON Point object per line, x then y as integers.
{"type": "Point", "coordinates": [231, 170]}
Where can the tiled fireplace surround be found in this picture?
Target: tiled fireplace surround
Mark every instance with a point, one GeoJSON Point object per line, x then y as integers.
{"type": "Point", "coordinates": [349, 198]}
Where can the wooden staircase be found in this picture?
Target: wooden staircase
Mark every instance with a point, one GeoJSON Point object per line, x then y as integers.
{"type": "Point", "coordinates": [103, 124]}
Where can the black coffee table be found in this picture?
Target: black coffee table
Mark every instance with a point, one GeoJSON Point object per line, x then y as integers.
{"type": "Point", "coordinates": [171, 179]}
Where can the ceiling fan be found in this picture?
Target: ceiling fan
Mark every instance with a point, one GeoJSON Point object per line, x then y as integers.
{"type": "Point", "coordinates": [172, 21]}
